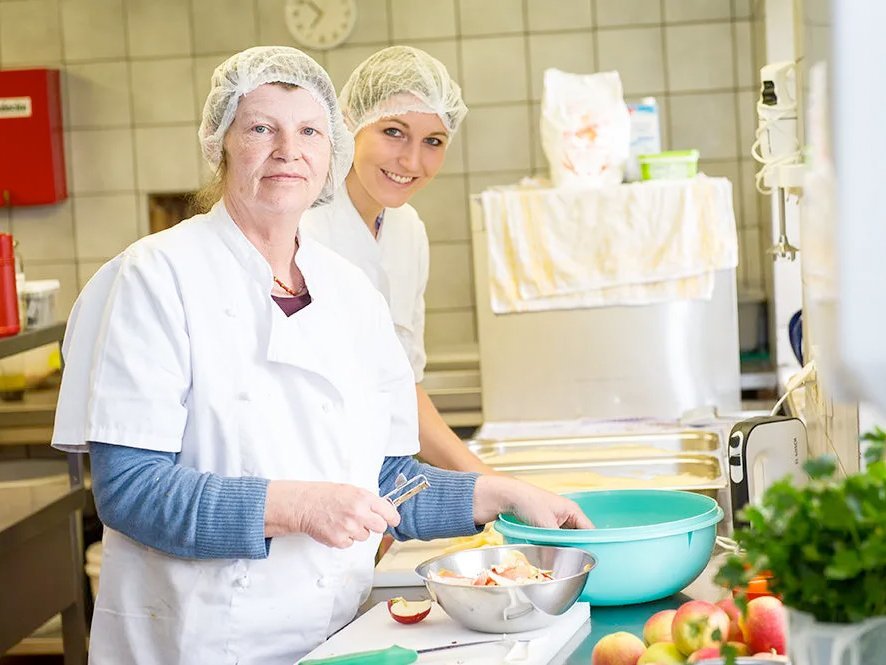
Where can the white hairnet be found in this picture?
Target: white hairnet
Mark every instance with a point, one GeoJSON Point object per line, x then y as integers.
{"type": "Point", "coordinates": [398, 80]}
{"type": "Point", "coordinates": [244, 72]}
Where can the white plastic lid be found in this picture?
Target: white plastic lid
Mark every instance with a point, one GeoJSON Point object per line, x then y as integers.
{"type": "Point", "coordinates": [40, 286]}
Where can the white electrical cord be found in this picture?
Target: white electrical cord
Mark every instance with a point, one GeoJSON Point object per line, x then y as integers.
{"type": "Point", "coordinates": [769, 163]}
{"type": "Point", "coordinates": [798, 380]}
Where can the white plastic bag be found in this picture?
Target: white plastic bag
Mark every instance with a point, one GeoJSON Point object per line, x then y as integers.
{"type": "Point", "coordinates": [585, 128]}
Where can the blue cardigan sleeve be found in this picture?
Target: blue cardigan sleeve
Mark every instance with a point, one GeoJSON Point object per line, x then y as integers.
{"type": "Point", "coordinates": [178, 510]}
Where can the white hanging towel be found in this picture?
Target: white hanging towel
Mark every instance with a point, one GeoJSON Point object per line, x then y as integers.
{"type": "Point", "coordinates": [632, 244]}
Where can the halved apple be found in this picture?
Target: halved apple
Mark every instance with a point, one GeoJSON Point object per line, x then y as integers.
{"type": "Point", "coordinates": [409, 611]}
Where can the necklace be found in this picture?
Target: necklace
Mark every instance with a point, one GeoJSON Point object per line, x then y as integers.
{"type": "Point", "coordinates": [301, 291]}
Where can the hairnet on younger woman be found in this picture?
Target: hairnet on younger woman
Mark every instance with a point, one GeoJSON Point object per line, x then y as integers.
{"type": "Point", "coordinates": [244, 72]}
{"type": "Point", "coordinates": [398, 80]}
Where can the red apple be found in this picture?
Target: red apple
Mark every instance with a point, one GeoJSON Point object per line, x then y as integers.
{"type": "Point", "coordinates": [741, 649]}
{"type": "Point", "coordinates": [658, 627]}
{"type": "Point", "coordinates": [408, 611]}
{"type": "Point", "coordinates": [728, 605]}
{"type": "Point", "coordinates": [765, 626]}
{"type": "Point", "coordinates": [702, 654]}
{"type": "Point", "coordinates": [617, 649]}
{"type": "Point", "coordinates": [695, 622]}
{"type": "Point", "coordinates": [662, 653]}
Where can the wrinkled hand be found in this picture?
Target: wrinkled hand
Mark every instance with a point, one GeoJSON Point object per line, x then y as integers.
{"type": "Point", "coordinates": [334, 514]}
{"type": "Point", "coordinates": [531, 504]}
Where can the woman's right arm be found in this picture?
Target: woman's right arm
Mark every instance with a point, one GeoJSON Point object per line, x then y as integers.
{"type": "Point", "coordinates": [178, 510]}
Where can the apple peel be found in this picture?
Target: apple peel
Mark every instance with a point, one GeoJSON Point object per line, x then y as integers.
{"type": "Point", "coordinates": [408, 611]}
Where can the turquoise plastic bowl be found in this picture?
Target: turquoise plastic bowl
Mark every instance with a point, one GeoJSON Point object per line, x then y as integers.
{"type": "Point", "coordinates": [649, 544]}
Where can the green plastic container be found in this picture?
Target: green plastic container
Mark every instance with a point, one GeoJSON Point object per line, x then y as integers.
{"type": "Point", "coordinates": [672, 165]}
{"type": "Point", "coordinates": [649, 544]}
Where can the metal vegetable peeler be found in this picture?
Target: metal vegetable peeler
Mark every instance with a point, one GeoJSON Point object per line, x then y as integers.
{"type": "Point", "coordinates": [406, 489]}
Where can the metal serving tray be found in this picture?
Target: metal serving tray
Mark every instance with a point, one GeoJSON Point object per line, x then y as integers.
{"type": "Point", "coordinates": [624, 445]}
{"type": "Point", "coordinates": [680, 472]}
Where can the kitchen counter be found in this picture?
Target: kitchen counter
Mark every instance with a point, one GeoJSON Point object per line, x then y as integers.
{"type": "Point", "coordinates": [604, 620]}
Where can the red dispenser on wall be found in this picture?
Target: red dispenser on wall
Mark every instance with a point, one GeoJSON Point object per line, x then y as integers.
{"type": "Point", "coordinates": [32, 157]}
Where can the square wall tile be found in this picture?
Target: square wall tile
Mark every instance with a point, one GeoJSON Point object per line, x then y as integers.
{"type": "Point", "coordinates": [30, 33]}
{"type": "Point", "coordinates": [627, 12]}
{"type": "Point", "coordinates": [451, 282]}
{"type": "Point", "coordinates": [85, 271]}
{"type": "Point", "coordinates": [744, 54]}
{"type": "Point", "coordinates": [372, 23]}
{"type": "Point", "coordinates": [569, 15]}
{"type": "Point", "coordinates": [104, 225]}
{"type": "Point", "coordinates": [66, 273]}
{"type": "Point", "coordinates": [98, 95]}
{"type": "Point", "coordinates": [446, 51]}
{"type": "Point", "coordinates": [93, 29]}
{"type": "Point", "coordinates": [636, 54]}
{"type": "Point", "coordinates": [223, 26]}
{"type": "Point", "coordinates": [452, 328]}
{"type": "Point", "coordinates": [175, 78]}
{"type": "Point", "coordinates": [101, 160]}
{"type": "Point", "coordinates": [272, 30]}
{"type": "Point", "coordinates": [158, 28]}
{"type": "Point", "coordinates": [342, 61]}
{"type": "Point", "coordinates": [443, 207]}
{"type": "Point", "coordinates": [44, 233]}
{"type": "Point", "coordinates": [498, 139]}
{"type": "Point", "coordinates": [751, 257]}
{"type": "Point", "coordinates": [567, 51]}
{"type": "Point", "coordinates": [696, 10]}
{"type": "Point", "coordinates": [751, 199]}
{"type": "Point", "coordinates": [494, 69]}
{"type": "Point", "coordinates": [422, 20]}
{"type": "Point", "coordinates": [706, 123]}
{"type": "Point", "coordinates": [742, 9]}
{"type": "Point", "coordinates": [166, 159]}
{"type": "Point", "coordinates": [480, 182]}
{"type": "Point", "coordinates": [490, 17]}
{"type": "Point", "coordinates": [455, 153]}
{"type": "Point", "coordinates": [700, 57]}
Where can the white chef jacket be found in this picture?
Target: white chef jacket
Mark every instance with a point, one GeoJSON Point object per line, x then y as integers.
{"type": "Point", "coordinates": [176, 345]}
{"type": "Point", "coordinates": [396, 262]}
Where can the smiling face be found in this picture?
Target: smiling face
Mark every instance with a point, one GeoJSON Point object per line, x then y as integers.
{"type": "Point", "coordinates": [397, 156]}
{"type": "Point", "coordinates": [277, 151]}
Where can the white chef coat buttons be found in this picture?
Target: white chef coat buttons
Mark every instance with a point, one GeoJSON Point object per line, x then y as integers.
{"type": "Point", "coordinates": [326, 406]}
{"type": "Point", "coordinates": [322, 581]}
{"type": "Point", "coordinates": [231, 312]}
{"type": "Point", "coordinates": [242, 582]}
{"type": "Point", "coordinates": [244, 396]}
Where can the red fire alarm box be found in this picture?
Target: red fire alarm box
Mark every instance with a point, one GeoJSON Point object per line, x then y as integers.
{"type": "Point", "coordinates": [32, 156]}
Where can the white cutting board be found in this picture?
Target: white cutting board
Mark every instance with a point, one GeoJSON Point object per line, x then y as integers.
{"type": "Point", "coordinates": [377, 630]}
{"type": "Point", "coordinates": [397, 566]}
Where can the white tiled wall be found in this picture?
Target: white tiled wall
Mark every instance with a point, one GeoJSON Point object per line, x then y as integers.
{"type": "Point", "coordinates": [137, 72]}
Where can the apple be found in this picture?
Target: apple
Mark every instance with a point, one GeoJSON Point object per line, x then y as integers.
{"type": "Point", "coordinates": [741, 649]}
{"type": "Point", "coordinates": [728, 605]}
{"type": "Point", "coordinates": [695, 622]}
{"type": "Point", "coordinates": [765, 626]}
{"type": "Point", "coordinates": [658, 627]}
{"type": "Point", "coordinates": [408, 611]}
{"type": "Point", "coordinates": [703, 654]}
{"type": "Point", "coordinates": [618, 649]}
{"type": "Point", "coordinates": [662, 653]}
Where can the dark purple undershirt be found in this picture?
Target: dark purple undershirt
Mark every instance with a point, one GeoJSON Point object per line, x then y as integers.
{"type": "Point", "coordinates": [290, 305]}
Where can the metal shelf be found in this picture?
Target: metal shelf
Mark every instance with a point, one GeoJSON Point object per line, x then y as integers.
{"type": "Point", "coordinates": [31, 339]}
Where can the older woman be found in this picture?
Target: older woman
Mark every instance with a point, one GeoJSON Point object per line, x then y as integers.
{"type": "Point", "coordinates": [404, 110]}
{"type": "Point", "coordinates": [244, 400]}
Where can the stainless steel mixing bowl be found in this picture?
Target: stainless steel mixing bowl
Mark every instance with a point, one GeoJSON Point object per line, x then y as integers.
{"type": "Point", "coordinates": [496, 609]}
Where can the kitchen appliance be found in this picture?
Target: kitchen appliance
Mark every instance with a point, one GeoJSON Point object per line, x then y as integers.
{"type": "Point", "coordinates": [761, 451]}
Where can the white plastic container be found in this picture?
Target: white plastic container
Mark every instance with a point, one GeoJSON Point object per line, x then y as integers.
{"type": "Point", "coordinates": [39, 300]}
{"type": "Point", "coordinates": [29, 484]}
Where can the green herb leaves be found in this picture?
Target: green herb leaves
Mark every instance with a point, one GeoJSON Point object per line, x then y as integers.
{"type": "Point", "coordinates": [824, 543]}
